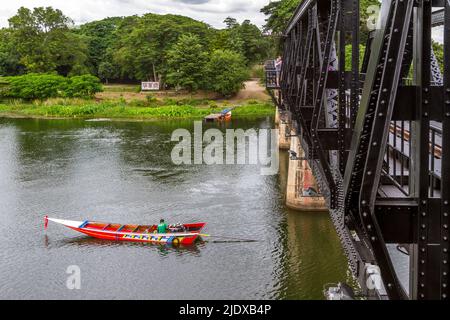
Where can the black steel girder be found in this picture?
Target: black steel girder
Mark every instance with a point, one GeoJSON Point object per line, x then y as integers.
{"type": "Point", "coordinates": [384, 164]}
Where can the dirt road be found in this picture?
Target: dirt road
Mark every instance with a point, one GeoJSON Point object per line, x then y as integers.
{"type": "Point", "coordinates": [252, 90]}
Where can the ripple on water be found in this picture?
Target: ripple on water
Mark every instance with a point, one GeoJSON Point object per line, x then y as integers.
{"type": "Point", "coordinates": [122, 173]}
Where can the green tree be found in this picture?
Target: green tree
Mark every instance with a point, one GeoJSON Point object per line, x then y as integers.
{"type": "Point", "coordinates": [256, 46]}
{"type": "Point", "coordinates": [348, 56]}
{"type": "Point", "coordinates": [278, 15]}
{"type": "Point", "coordinates": [280, 12]}
{"type": "Point", "coordinates": [143, 43]}
{"type": "Point", "coordinates": [439, 53]}
{"type": "Point", "coordinates": [231, 22]}
{"type": "Point", "coordinates": [106, 71]}
{"type": "Point", "coordinates": [186, 63]}
{"type": "Point", "coordinates": [44, 41]}
{"type": "Point", "coordinates": [246, 39]}
{"type": "Point", "coordinates": [226, 72]}
{"type": "Point", "coordinates": [9, 58]}
{"type": "Point", "coordinates": [99, 36]}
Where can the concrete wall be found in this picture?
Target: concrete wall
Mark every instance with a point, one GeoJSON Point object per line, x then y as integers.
{"type": "Point", "coordinates": [282, 122]}
{"type": "Point", "coordinates": [300, 176]}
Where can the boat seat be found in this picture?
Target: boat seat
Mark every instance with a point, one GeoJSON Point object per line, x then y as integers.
{"type": "Point", "coordinates": [84, 224]}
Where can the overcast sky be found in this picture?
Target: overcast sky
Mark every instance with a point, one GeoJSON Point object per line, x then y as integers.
{"type": "Point", "coordinates": [212, 12]}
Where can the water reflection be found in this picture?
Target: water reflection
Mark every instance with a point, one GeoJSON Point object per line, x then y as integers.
{"type": "Point", "coordinates": [162, 249]}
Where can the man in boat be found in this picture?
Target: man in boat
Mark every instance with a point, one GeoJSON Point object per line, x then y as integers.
{"type": "Point", "coordinates": [162, 227]}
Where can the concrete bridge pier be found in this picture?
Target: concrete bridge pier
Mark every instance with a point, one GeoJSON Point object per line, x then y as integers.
{"type": "Point", "coordinates": [302, 192]}
{"type": "Point", "coordinates": [277, 117]}
{"type": "Point", "coordinates": [283, 122]}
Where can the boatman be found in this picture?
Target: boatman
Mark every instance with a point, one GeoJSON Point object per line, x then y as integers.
{"type": "Point", "coordinates": [162, 227]}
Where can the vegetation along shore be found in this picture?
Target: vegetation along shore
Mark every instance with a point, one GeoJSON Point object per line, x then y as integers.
{"type": "Point", "coordinates": [124, 110]}
{"type": "Point", "coordinates": [199, 69]}
{"type": "Point", "coordinates": [124, 102]}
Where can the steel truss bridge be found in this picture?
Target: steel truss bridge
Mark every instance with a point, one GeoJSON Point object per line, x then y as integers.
{"type": "Point", "coordinates": [376, 133]}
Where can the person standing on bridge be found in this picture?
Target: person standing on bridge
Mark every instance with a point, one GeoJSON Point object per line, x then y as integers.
{"type": "Point", "coordinates": [278, 65]}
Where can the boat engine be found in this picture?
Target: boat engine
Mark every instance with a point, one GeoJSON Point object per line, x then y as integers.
{"type": "Point", "coordinates": [177, 228]}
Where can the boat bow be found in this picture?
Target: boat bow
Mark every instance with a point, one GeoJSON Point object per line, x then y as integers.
{"type": "Point", "coordinates": [67, 223]}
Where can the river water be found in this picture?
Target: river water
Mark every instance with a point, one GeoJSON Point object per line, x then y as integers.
{"type": "Point", "coordinates": [122, 172]}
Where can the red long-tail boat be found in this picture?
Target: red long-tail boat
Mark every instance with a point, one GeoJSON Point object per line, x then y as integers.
{"type": "Point", "coordinates": [184, 234]}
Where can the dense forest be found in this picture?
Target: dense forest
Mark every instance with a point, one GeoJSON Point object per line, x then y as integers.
{"type": "Point", "coordinates": [177, 51]}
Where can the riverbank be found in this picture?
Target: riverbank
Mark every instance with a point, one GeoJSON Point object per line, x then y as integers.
{"type": "Point", "coordinates": [118, 102]}
{"type": "Point", "coordinates": [112, 110]}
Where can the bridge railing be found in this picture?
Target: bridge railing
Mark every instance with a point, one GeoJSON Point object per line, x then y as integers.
{"type": "Point", "coordinates": [272, 75]}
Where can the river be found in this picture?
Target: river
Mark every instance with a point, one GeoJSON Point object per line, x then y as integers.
{"type": "Point", "coordinates": [122, 172]}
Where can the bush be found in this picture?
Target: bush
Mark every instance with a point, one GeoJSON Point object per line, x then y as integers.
{"type": "Point", "coordinates": [213, 104]}
{"type": "Point", "coordinates": [169, 102]}
{"type": "Point", "coordinates": [151, 99]}
{"type": "Point", "coordinates": [85, 86]}
{"type": "Point", "coordinates": [35, 86]}
{"type": "Point", "coordinates": [348, 56]}
{"type": "Point", "coordinates": [258, 72]}
{"type": "Point", "coordinates": [45, 86]}
{"type": "Point", "coordinates": [138, 103]}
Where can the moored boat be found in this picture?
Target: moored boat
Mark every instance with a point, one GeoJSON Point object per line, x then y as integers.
{"type": "Point", "coordinates": [184, 234]}
{"type": "Point", "coordinates": [224, 115]}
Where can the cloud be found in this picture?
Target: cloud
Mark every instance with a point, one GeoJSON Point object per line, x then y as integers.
{"type": "Point", "coordinates": [212, 12]}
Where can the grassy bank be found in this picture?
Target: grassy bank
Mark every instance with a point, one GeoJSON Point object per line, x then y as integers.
{"type": "Point", "coordinates": [73, 108]}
